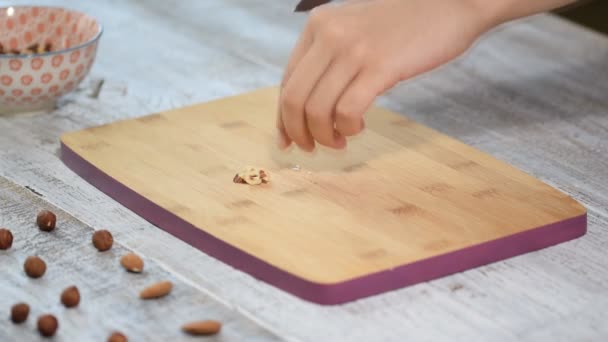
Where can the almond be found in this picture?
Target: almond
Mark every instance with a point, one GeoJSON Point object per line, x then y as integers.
{"type": "Point", "coordinates": [157, 290]}
{"type": "Point", "coordinates": [208, 327]}
{"type": "Point", "coordinates": [132, 263]}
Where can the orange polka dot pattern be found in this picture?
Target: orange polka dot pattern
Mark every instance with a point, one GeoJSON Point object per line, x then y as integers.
{"type": "Point", "coordinates": [34, 79]}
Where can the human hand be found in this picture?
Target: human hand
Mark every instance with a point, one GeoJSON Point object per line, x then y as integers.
{"type": "Point", "coordinates": [351, 52]}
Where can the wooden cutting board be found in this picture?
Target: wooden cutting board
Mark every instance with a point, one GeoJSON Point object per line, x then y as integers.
{"type": "Point", "coordinates": [404, 204]}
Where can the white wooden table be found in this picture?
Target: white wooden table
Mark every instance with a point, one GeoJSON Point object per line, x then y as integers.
{"type": "Point", "coordinates": [533, 93]}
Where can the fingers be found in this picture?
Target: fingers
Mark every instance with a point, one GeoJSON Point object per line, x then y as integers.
{"type": "Point", "coordinates": [283, 140]}
{"type": "Point", "coordinates": [298, 52]}
{"type": "Point", "coordinates": [319, 108]}
{"type": "Point", "coordinates": [296, 91]}
{"type": "Point", "coordinates": [356, 100]}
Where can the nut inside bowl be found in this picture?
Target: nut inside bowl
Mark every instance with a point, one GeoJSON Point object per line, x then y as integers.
{"type": "Point", "coordinates": [45, 52]}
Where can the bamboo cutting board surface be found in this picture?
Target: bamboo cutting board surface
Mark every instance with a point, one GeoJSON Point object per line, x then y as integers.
{"type": "Point", "coordinates": [402, 204]}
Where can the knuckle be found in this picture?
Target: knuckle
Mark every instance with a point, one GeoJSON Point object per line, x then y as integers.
{"type": "Point", "coordinates": [360, 52]}
{"type": "Point", "coordinates": [348, 122]}
{"type": "Point", "coordinates": [344, 112]}
{"type": "Point", "coordinates": [312, 111]}
{"type": "Point", "coordinates": [333, 31]}
{"type": "Point", "coordinates": [290, 102]}
{"type": "Point", "coordinates": [318, 16]}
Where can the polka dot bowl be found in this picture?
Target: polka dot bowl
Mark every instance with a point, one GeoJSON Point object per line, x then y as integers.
{"type": "Point", "coordinates": [45, 52]}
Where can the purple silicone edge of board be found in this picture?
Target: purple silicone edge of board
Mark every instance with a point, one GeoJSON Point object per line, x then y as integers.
{"type": "Point", "coordinates": [337, 293]}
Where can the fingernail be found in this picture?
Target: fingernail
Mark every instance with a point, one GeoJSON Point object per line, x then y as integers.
{"type": "Point", "coordinates": [340, 141]}
{"type": "Point", "coordinates": [282, 140]}
{"type": "Point", "coordinates": [309, 148]}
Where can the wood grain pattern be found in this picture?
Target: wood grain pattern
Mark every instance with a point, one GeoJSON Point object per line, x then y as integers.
{"type": "Point", "coordinates": [531, 93]}
{"type": "Point", "coordinates": [393, 190]}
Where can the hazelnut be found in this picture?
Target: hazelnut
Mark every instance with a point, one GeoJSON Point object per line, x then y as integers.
{"type": "Point", "coordinates": [132, 263]}
{"type": "Point", "coordinates": [117, 337]}
{"type": "Point", "coordinates": [34, 267]}
{"type": "Point", "coordinates": [6, 238]}
{"type": "Point", "coordinates": [70, 297]}
{"type": "Point", "coordinates": [102, 240]}
{"type": "Point", "coordinates": [47, 325]}
{"type": "Point", "coordinates": [46, 220]}
{"type": "Point", "coordinates": [19, 312]}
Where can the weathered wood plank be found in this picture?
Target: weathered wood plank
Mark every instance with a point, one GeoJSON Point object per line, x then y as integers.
{"type": "Point", "coordinates": [531, 93]}
{"type": "Point", "coordinates": [109, 295]}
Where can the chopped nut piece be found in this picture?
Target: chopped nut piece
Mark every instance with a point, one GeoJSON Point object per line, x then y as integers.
{"type": "Point", "coordinates": [252, 176]}
{"type": "Point", "coordinates": [238, 179]}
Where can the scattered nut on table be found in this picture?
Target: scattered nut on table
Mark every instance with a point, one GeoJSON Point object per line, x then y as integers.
{"type": "Point", "coordinates": [70, 297]}
{"type": "Point", "coordinates": [6, 239]}
{"type": "Point", "coordinates": [19, 312]}
{"type": "Point", "coordinates": [252, 176]}
{"type": "Point", "coordinates": [117, 336]}
{"type": "Point", "coordinates": [46, 220]}
{"type": "Point", "coordinates": [157, 290]}
{"type": "Point", "coordinates": [208, 327]}
{"type": "Point", "coordinates": [102, 240]}
{"type": "Point", "coordinates": [34, 267]}
{"type": "Point", "coordinates": [47, 325]}
{"type": "Point", "coordinates": [132, 263]}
